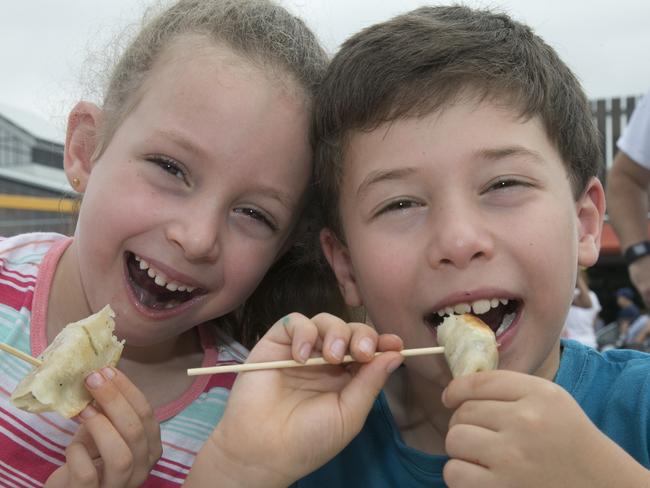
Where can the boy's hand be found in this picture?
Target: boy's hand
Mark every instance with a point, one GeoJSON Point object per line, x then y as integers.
{"type": "Point", "coordinates": [114, 447]}
{"type": "Point", "coordinates": [513, 429]}
{"type": "Point", "coordinates": [282, 424]}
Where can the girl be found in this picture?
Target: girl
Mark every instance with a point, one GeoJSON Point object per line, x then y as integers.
{"type": "Point", "coordinates": [193, 173]}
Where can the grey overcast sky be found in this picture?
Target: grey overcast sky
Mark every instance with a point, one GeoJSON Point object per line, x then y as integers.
{"type": "Point", "coordinates": [45, 44]}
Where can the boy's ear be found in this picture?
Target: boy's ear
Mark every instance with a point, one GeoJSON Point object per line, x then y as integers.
{"type": "Point", "coordinates": [84, 122]}
{"type": "Point", "coordinates": [338, 258]}
{"type": "Point", "coordinates": [590, 209]}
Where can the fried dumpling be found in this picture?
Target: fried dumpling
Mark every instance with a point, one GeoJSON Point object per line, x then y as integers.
{"type": "Point", "coordinates": [470, 345]}
{"type": "Point", "coordinates": [58, 383]}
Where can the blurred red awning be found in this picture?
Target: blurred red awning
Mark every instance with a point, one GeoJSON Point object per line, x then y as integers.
{"type": "Point", "coordinates": [609, 243]}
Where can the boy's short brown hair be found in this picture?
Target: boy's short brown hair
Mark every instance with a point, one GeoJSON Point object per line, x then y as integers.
{"type": "Point", "coordinates": [419, 62]}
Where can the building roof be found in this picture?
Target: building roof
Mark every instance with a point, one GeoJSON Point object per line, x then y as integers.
{"type": "Point", "coordinates": [37, 175]}
{"type": "Point", "coordinates": [32, 123]}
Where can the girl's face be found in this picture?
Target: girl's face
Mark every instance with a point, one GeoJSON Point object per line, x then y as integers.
{"type": "Point", "coordinates": [465, 209]}
{"type": "Point", "coordinates": [195, 195]}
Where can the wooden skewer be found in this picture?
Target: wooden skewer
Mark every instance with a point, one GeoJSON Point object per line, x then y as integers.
{"type": "Point", "coordinates": [19, 354]}
{"type": "Point", "coordinates": [290, 363]}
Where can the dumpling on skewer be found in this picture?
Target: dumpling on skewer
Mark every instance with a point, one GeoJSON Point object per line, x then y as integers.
{"type": "Point", "coordinates": [470, 345]}
{"type": "Point", "coordinates": [58, 383]}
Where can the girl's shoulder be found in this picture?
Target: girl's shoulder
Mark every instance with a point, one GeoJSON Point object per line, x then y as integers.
{"type": "Point", "coordinates": [28, 248]}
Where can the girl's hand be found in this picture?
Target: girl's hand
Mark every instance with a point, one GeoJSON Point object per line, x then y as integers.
{"type": "Point", "coordinates": [117, 444]}
{"type": "Point", "coordinates": [282, 424]}
{"type": "Point", "coordinates": [513, 429]}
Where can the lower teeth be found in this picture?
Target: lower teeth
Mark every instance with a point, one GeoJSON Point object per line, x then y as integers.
{"type": "Point", "coordinates": [507, 321]}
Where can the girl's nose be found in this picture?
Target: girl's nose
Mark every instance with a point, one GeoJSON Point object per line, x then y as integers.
{"type": "Point", "coordinates": [198, 235]}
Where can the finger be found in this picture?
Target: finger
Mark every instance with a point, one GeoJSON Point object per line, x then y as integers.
{"type": "Point", "coordinates": [131, 417]}
{"type": "Point", "coordinates": [389, 342]}
{"type": "Point", "coordinates": [358, 396]}
{"type": "Point", "coordinates": [363, 342]}
{"type": "Point", "coordinates": [336, 335]}
{"type": "Point", "coordinates": [81, 470]}
{"type": "Point", "coordinates": [488, 414]}
{"type": "Point", "coordinates": [115, 453]}
{"type": "Point", "coordinates": [143, 411]}
{"type": "Point", "coordinates": [471, 443]}
{"type": "Point", "coordinates": [462, 474]}
{"type": "Point", "coordinates": [491, 385]}
{"type": "Point", "coordinates": [294, 331]}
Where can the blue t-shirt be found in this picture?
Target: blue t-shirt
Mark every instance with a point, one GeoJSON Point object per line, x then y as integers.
{"type": "Point", "coordinates": [613, 388]}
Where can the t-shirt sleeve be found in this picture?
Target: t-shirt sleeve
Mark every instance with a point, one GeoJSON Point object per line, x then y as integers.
{"type": "Point", "coordinates": [635, 141]}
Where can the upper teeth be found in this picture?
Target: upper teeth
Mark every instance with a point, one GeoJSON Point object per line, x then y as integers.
{"type": "Point", "coordinates": [160, 279]}
{"type": "Point", "coordinates": [478, 307]}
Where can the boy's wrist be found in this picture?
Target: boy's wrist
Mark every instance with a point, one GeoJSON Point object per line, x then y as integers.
{"type": "Point", "coordinates": [216, 464]}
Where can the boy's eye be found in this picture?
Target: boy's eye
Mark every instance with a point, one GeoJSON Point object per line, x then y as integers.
{"type": "Point", "coordinates": [397, 205]}
{"type": "Point", "coordinates": [169, 165]}
{"type": "Point", "coordinates": [506, 183]}
{"type": "Point", "coordinates": [258, 216]}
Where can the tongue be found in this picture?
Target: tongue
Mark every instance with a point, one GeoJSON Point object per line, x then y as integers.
{"type": "Point", "coordinates": [493, 317]}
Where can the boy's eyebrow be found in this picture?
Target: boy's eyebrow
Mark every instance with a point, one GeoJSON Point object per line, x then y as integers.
{"type": "Point", "coordinates": [382, 175]}
{"type": "Point", "coordinates": [507, 152]}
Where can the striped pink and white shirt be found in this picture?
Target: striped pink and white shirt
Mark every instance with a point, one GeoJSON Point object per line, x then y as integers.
{"type": "Point", "coordinates": [32, 446]}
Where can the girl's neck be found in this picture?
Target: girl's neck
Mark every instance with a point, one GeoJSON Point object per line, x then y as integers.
{"type": "Point", "coordinates": [147, 367]}
{"type": "Point", "coordinates": [415, 403]}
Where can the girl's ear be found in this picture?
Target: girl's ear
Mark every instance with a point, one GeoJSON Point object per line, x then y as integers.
{"type": "Point", "coordinates": [338, 258]}
{"type": "Point", "coordinates": [590, 210]}
{"type": "Point", "coordinates": [84, 123]}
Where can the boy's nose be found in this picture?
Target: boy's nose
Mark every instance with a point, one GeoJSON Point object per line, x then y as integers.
{"type": "Point", "coordinates": [458, 239]}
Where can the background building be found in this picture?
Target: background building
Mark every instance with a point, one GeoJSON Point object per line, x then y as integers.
{"type": "Point", "coordinates": [34, 192]}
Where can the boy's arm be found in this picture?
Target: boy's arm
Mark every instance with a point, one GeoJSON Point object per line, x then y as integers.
{"type": "Point", "coordinates": [280, 425]}
{"type": "Point", "coordinates": [512, 429]}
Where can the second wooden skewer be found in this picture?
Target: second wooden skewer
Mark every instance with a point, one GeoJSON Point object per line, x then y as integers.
{"type": "Point", "coordinates": [19, 354]}
{"type": "Point", "coordinates": [290, 363]}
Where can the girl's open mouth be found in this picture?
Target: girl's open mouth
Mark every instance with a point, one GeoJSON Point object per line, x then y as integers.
{"type": "Point", "coordinates": [152, 289]}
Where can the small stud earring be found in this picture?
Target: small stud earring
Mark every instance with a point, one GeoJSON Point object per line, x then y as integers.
{"type": "Point", "coordinates": [75, 182]}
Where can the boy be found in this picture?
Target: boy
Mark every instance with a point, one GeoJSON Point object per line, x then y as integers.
{"type": "Point", "coordinates": [457, 162]}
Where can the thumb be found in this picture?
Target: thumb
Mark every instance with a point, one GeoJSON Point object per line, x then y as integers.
{"type": "Point", "coordinates": [359, 394]}
{"type": "Point", "coordinates": [58, 479]}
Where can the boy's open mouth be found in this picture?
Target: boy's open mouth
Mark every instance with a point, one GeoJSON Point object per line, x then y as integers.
{"type": "Point", "coordinates": [497, 313]}
{"type": "Point", "coordinates": [153, 289]}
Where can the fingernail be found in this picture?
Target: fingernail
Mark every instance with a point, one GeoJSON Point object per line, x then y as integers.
{"type": "Point", "coordinates": [393, 365]}
{"type": "Point", "coordinates": [88, 412]}
{"type": "Point", "coordinates": [444, 396]}
{"type": "Point", "coordinates": [95, 380]}
{"type": "Point", "coordinates": [366, 345]}
{"type": "Point", "coordinates": [338, 348]}
{"type": "Point", "coordinates": [304, 352]}
{"type": "Point", "coordinates": [108, 372]}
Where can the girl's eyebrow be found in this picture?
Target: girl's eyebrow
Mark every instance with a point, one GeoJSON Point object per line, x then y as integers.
{"type": "Point", "coordinates": [180, 140]}
{"type": "Point", "coordinates": [382, 175]}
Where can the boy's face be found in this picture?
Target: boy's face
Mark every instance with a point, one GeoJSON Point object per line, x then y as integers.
{"type": "Point", "coordinates": [467, 207]}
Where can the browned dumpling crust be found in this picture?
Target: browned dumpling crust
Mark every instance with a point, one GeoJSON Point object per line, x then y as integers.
{"type": "Point", "coordinates": [470, 345]}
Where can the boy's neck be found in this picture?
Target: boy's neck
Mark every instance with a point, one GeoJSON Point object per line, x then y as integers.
{"type": "Point", "coordinates": [415, 403]}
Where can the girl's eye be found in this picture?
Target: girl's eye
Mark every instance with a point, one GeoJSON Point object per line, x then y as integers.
{"type": "Point", "coordinates": [258, 216]}
{"type": "Point", "coordinates": [169, 165]}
